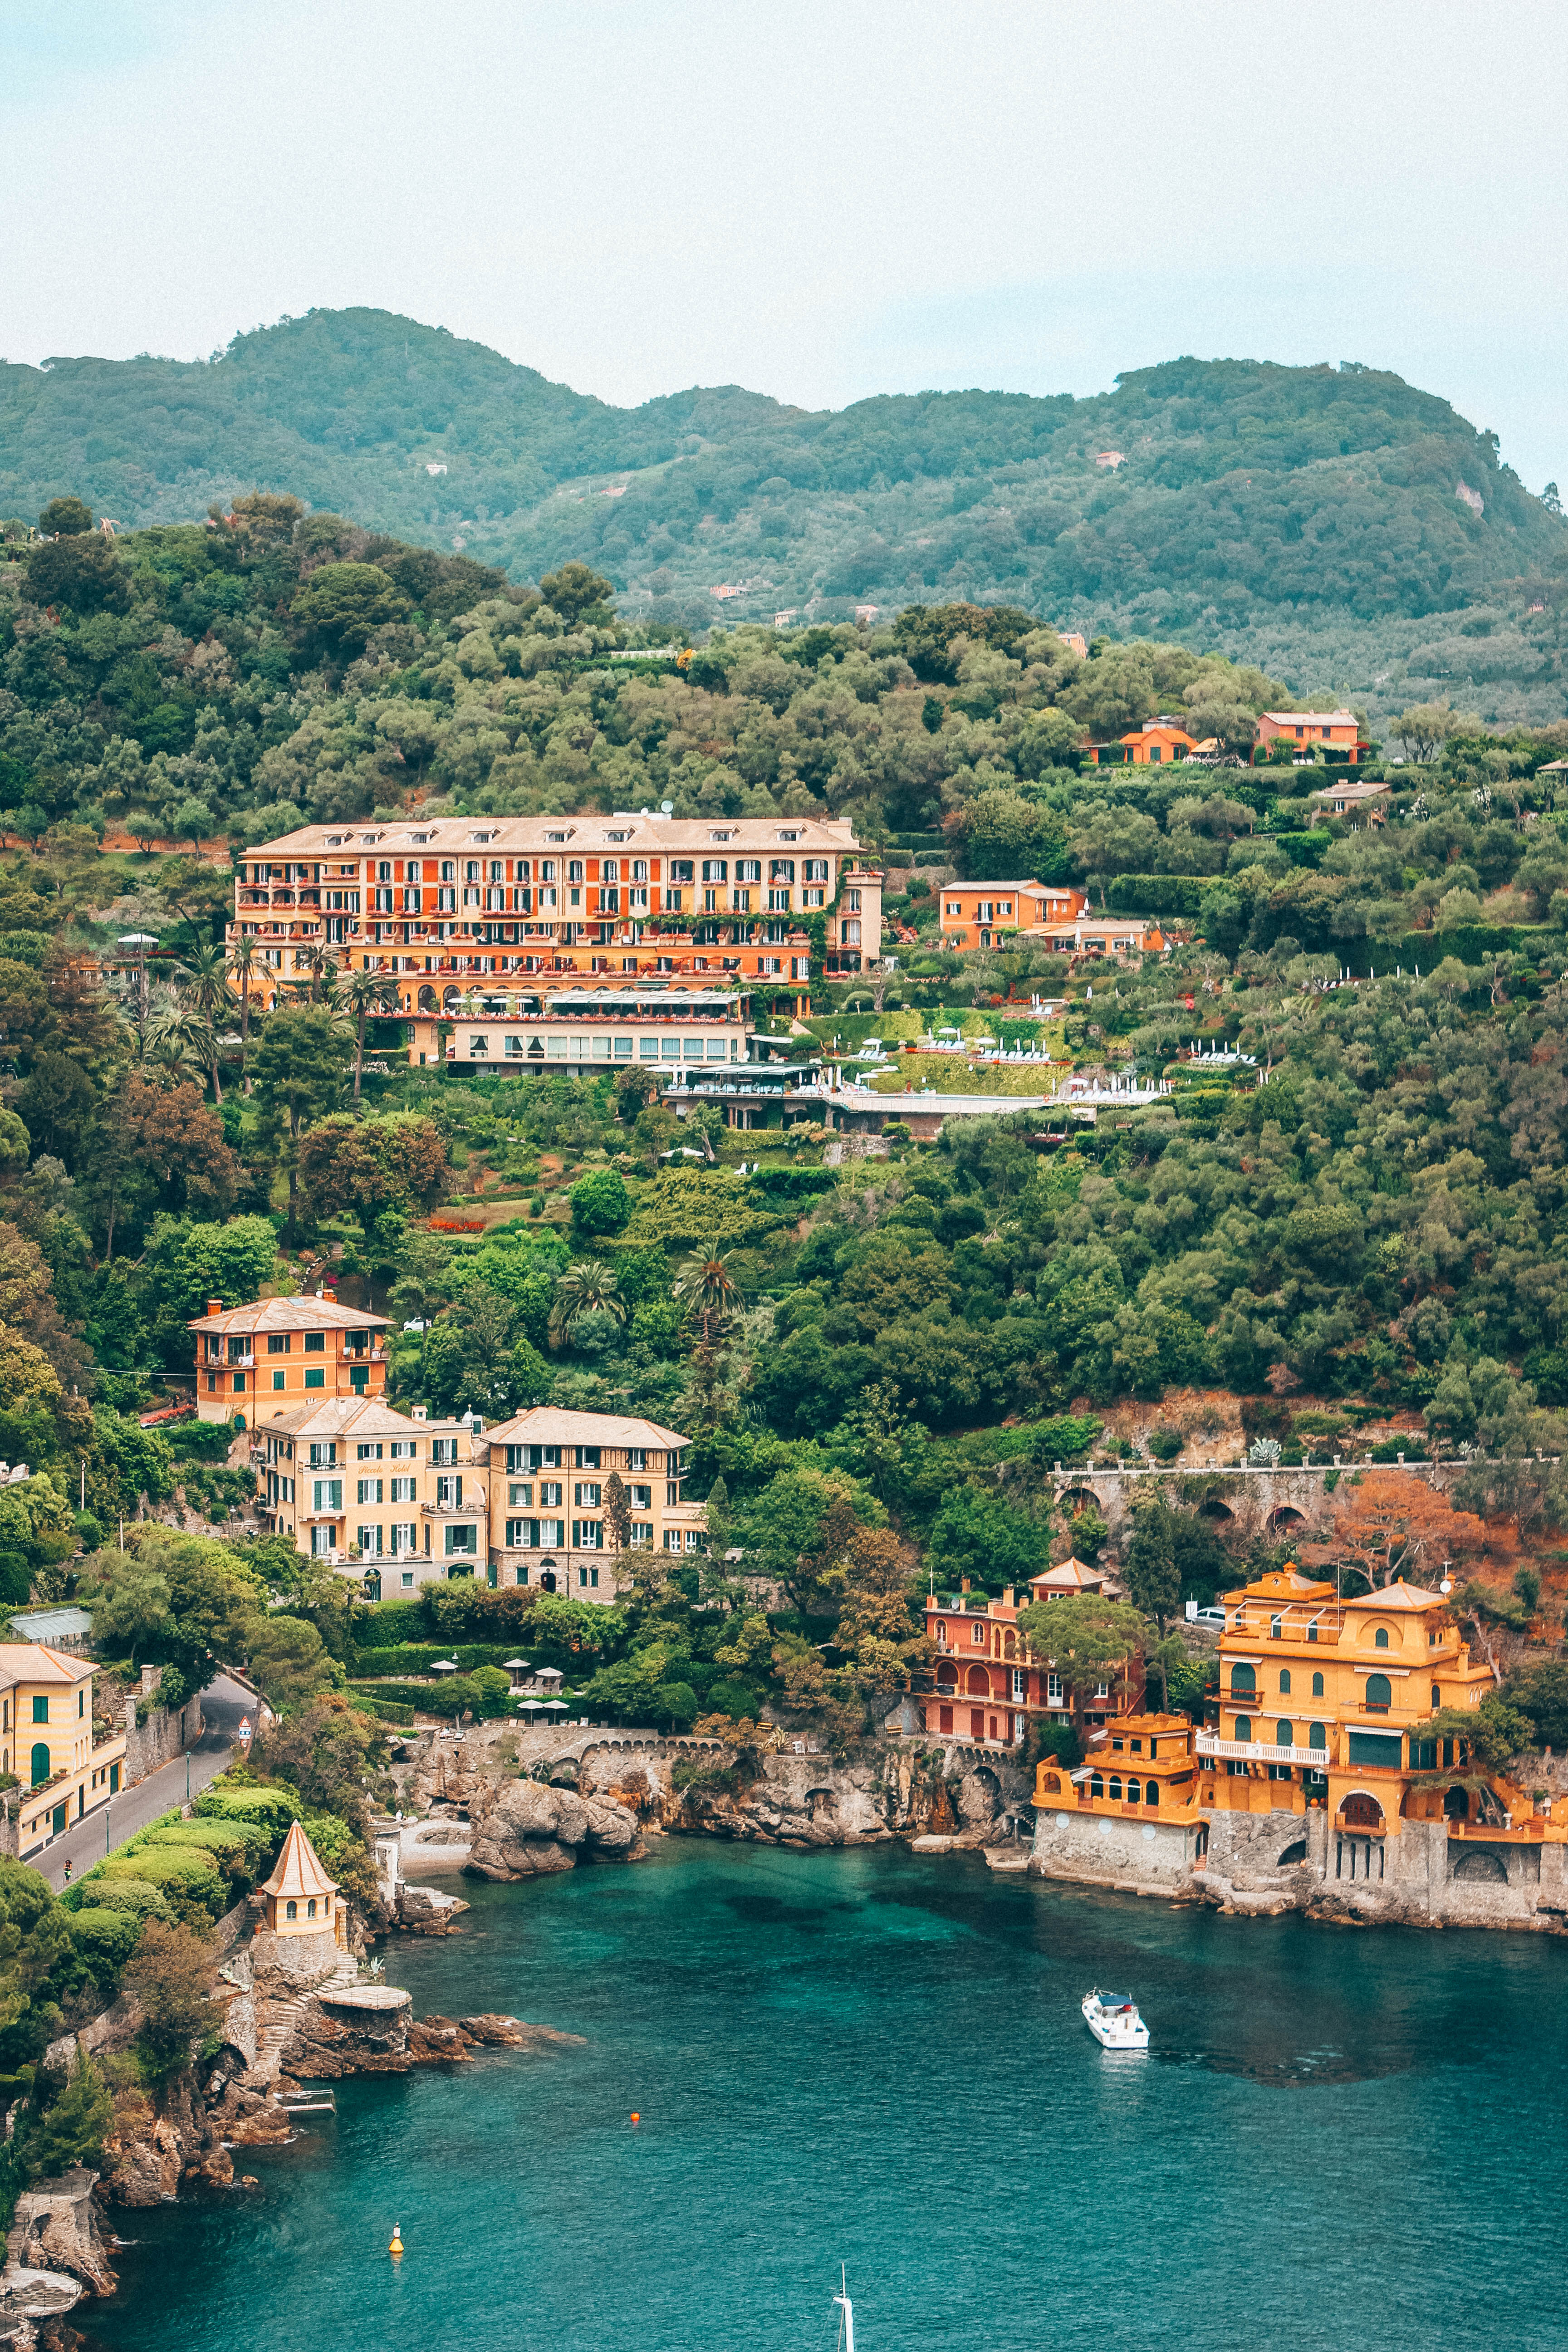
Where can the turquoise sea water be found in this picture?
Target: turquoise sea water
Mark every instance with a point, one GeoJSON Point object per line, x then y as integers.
{"type": "Point", "coordinates": [1337, 2138]}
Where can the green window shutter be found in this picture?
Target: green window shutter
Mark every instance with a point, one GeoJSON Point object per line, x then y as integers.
{"type": "Point", "coordinates": [315, 1376]}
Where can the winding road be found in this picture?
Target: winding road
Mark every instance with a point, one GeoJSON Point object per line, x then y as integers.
{"type": "Point", "coordinates": [223, 1703]}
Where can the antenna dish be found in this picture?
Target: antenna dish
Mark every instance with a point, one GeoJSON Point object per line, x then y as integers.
{"type": "Point", "coordinates": [667, 808]}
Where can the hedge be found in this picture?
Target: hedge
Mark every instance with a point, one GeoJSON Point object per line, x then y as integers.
{"type": "Point", "coordinates": [793, 1184]}
{"type": "Point", "coordinates": [137, 1894]}
{"type": "Point", "coordinates": [101, 1934]}
{"type": "Point", "coordinates": [216, 1837]}
{"type": "Point", "coordinates": [187, 1866]}
{"type": "Point", "coordinates": [384, 1710]}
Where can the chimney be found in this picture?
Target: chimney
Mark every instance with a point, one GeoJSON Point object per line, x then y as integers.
{"type": "Point", "coordinates": [215, 1306]}
{"type": "Point", "coordinates": [421, 1413]}
{"type": "Point", "coordinates": [1007, 1596]}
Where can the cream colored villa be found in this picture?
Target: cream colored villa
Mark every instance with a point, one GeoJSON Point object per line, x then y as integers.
{"type": "Point", "coordinates": [399, 1501]}
{"type": "Point", "coordinates": [46, 1740]}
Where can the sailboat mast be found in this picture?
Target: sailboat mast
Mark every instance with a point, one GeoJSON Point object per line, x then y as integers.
{"type": "Point", "coordinates": [847, 2309]}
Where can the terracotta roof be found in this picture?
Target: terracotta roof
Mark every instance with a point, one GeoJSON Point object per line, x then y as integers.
{"type": "Point", "coordinates": [336, 1416]}
{"type": "Point", "coordinates": [547, 1426]}
{"type": "Point", "coordinates": [298, 1871]}
{"type": "Point", "coordinates": [1397, 1595]}
{"type": "Point", "coordinates": [289, 1315]}
{"type": "Point", "coordinates": [35, 1662]}
{"type": "Point", "coordinates": [1069, 1576]}
{"type": "Point", "coordinates": [1311, 718]}
{"type": "Point", "coordinates": [622, 834]}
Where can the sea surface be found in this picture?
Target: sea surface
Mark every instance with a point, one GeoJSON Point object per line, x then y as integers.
{"type": "Point", "coordinates": [1338, 2138]}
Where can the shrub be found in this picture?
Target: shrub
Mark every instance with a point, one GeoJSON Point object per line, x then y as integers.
{"type": "Point", "coordinates": [600, 1201]}
{"type": "Point", "coordinates": [1165, 1441]}
{"type": "Point", "coordinates": [105, 1936]}
{"type": "Point", "coordinates": [169, 1867]}
{"type": "Point", "coordinates": [234, 1801]}
{"type": "Point", "coordinates": [734, 1698]}
{"type": "Point", "coordinates": [224, 1838]}
{"type": "Point", "coordinates": [136, 1895]}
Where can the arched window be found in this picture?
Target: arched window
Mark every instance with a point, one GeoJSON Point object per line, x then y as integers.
{"type": "Point", "coordinates": [1284, 1682]}
{"type": "Point", "coordinates": [40, 1763]}
{"type": "Point", "coordinates": [1282, 1736]}
{"type": "Point", "coordinates": [1317, 1686]}
{"type": "Point", "coordinates": [1380, 1638]}
{"type": "Point", "coordinates": [311, 1908]}
{"type": "Point", "coordinates": [290, 1910]}
{"type": "Point", "coordinates": [1053, 1782]}
{"type": "Point", "coordinates": [977, 1635]}
{"type": "Point", "coordinates": [1152, 1794]}
{"type": "Point", "coordinates": [1242, 1678]}
{"type": "Point", "coordinates": [1134, 1793]}
{"type": "Point", "coordinates": [1379, 1693]}
{"type": "Point", "coordinates": [1096, 1785]}
{"type": "Point", "coordinates": [1243, 1728]}
{"type": "Point", "coordinates": [1115, 1792]}
{"type": "Point", "coordinates": [1437, 1698]}
{"type": "Point", "coordinates": [1317, 1737]}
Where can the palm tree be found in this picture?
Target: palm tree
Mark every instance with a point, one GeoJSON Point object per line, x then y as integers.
{"type": "Point", "coordinates": [588, 1286]}
{"type": "Point", "coordinates": [244, 962]}
{"type": "Point", "coordinates": [321, 963]}
{"type": "Point", "coordinates": [706, 1283]}
{"type": "Point", "coordinates": [206, 998]}
{"type": "Point", "coordinates": [361, 993]}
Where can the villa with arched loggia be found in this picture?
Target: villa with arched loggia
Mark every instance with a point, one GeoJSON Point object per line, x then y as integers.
{"type": "Point", "coordinates": [1324, 1702]}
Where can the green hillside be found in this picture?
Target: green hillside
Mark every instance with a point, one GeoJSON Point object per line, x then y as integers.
{"type": "Point", "coordinates": [1335, 525]}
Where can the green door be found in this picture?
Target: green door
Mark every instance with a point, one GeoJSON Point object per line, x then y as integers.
{"type": "Point", "coordinates": [58, 1818]}
{"type": "Point", "coordinates": [114, 1780]}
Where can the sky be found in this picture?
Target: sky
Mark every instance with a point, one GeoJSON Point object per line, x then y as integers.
{"type": "Point", "coordinates": [820, 201]}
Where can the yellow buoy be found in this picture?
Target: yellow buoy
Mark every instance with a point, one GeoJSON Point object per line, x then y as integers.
{"type": "Point", "coordinates": [396, 2245]}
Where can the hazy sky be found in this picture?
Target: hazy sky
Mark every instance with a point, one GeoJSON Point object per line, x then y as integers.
{"type": "Point", "coordinates": [817, 201]}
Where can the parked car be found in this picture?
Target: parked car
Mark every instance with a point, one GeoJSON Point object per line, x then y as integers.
{"type": "Point", "coordinates": [1212, 1618]}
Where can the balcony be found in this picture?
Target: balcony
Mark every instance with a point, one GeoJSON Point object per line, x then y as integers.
{"type": "Point", "coordinates": [452, 1510]}
{"type": "Point", "coordinates": [1262, 1751]}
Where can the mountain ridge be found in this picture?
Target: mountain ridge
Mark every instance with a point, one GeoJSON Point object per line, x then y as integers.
{"type": "Point", "coordinates": [1323, 517]}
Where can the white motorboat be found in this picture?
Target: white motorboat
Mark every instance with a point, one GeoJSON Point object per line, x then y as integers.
{"type": "Point", "coordinates": [1112, 2018]}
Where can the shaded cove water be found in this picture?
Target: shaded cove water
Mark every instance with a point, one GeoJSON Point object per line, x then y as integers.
{"type": "Point", "coordinates": [1337, 2137]}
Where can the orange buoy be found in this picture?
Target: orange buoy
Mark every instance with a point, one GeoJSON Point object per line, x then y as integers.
{"type": "Point", "coordinates": [635, 2118]}
{"type": "Point", "coordinates": [396, 2245]}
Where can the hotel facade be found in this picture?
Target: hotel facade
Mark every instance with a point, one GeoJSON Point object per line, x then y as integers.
{"type": "Point", "coordinates": [397, 1501]}
{"type": "Point", "coordinates": [451, 903]}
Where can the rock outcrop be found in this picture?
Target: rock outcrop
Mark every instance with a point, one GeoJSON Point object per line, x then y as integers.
{"type": "Point", "coordinates": [523, 1829]}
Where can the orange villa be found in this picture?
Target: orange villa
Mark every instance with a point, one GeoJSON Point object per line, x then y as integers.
{"type": "Point", "coordinates": [1336, 731]}
{"type": "Point", "coordinates": [1157, 742]}
{"type": "Point", "coordinates": [980, 914]}
{"type": "Point", "coordinates": [1139, 1765]}
{"type": "Point", "coordinates": [280, 1352]}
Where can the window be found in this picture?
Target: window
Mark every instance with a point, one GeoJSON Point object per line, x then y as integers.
{"type": "Point", "coordinates": [1284, 1682]}
{"type": "Point", "coordinates": [589, 1495]}
{"type": "Point", "coordinates": [40, 1763]}
{"type": "Point", "coordinates": [1317, 1686]}
{"type": "Point", "coordinates": [315, 1377]}
{"type": "Point", "coordinates": [291, 1910]}
{"type": "Point", "coordinates": [1316, 1736]}
{"type": "Point", "coordinates": [278, 1343]}
{"type": "Point", "coordinates": [1134, 1793]}
{"type": "Point", "coordinates": [370, 1490]}
{"type": "Point", "coordinates": [40, 1710]}
{"type": "Point", "coordinates": [1114, 1790]}
{"type": "Point", "coordinates": [403, 1490]}
{"type": "Point", "coordinates": [1053, 1690]}
{"type": "Point", "coordinates": [1243, 1728]}
{"type": "Point", "coordinates": [1379, 1694]}
{"type": "Point", "coordinates": [586, 1457]}
{"type": "Point", "coordinates": [279, 1380]}
{"type": "Point", "coordinates": [462, 1543]}
{"type": "Point", "coordinates": [1380, 1638]}
{"type": "Point", "coordinates": [80, 1705]}
{"type": "Point", "coordinates": [1243, 1679]}
{"type": "Point", "coordinates": [369, 1543]}
{"type": "Point", "coordinates": [587, 1535]}
{"type": "Point", "coordinates": [402, 1449]}
{"type": "Point", "coordinates": [1283, 1737]}
{"type": "Point", "coordinates": [311, 1908]}
{"type": "Point", "coordinates": [977, 1634]}
{"type": "Point", "coordinates": [315, 1343]}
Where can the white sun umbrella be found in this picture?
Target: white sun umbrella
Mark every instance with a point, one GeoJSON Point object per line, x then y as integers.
{"type": "Point", "coordinates": [516, 1665]}
{"type": "Point", "coordinates": [444, 1666]}
{"type": "Point", "coordinates": [556, 1703]}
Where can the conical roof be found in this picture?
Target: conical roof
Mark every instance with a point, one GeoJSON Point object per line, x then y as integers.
{"type": "Point", "coordinates": [298, 1871]}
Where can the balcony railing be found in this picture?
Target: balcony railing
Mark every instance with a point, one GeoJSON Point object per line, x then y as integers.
{"type": "Point", "coordinates": [1263, 1751]}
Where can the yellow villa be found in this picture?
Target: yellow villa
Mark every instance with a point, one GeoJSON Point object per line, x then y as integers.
{"type": "Point", "coordinates": [47, 1740]}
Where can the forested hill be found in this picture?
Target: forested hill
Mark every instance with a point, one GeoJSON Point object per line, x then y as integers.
{"type": "Point", "coordinates": [1325, 520]}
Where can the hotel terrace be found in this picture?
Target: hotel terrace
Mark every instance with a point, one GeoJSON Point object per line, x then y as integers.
{"type": "Point", "coordinates": [442, 904]}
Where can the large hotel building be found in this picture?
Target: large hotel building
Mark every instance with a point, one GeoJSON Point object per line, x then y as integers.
{"type": "Point", "coordinates": [507, 904]}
